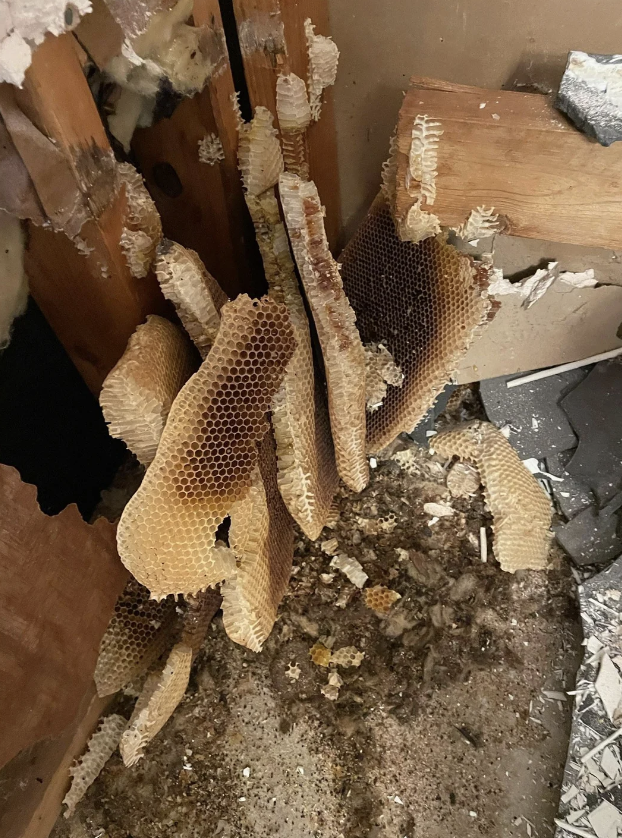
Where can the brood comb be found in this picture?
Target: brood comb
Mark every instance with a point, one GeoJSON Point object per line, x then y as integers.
{"type": "Point", "coordinates": [425, 302]}
{"type": "Point", "coordinates": [160, 696]}
{"type": "Point", "coordinates": [194, 292]}
{"type": "Point", "coordinates": [294, 115]}
{"type": "Point", "coordinates": [307, 474]}
{"type": "Point", "coordinates": [262, 538]}
{"type": "Point", "coordinates": [139, 632]}
{"type": "Point", "coordinates": [207, 454]}
{"type": "Point", "coordinates": [142, 228]}
{"type": "Point", "coordinates": [344, 357]}
{"type": "Point", "coordinates": [138, 392]}
{"type": "Point", "coordinates": [521, 510]}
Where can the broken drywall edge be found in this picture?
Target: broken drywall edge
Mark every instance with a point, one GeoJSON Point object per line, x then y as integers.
{"type": "Point", "coordinates": [591, 95]}
{"type": "Point", "coordinates": [26, 25]}
{"type": "Point", "coordinates": [574, 365]}
{"type": "Point", "coordinates": [14, 285]}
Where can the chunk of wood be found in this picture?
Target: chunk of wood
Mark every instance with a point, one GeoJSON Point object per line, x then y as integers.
{"type": "Point", "coordinates": [514, 154]}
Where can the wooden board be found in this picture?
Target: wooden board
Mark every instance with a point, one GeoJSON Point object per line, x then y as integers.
{"type": "Point", "coordinates": [272, 40]}
{"type": "Point", "coordinates": [518, 155]}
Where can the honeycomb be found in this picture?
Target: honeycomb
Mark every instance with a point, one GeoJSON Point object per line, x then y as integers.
{"type": "Point", "coordinates": [423, 158]}
{"type": "Point", "coordinates": [262, 538]}
{"type": "Point", "coordinates": [207, 454]}
{"type": "Point", "coordinates": [424, 302]}
{"type": "Point", "coordinates": [320, 655]}
{"type": "Point", "coordinates": [344, 357]}
{"type": "Point", "coordinates": [463, 480]}
{"type": "Point", "coordinates": [380, 599]}
{"type": "Point", "coordinates": [323, 59]}
{"type": "Point", "coordinates": [521, 510]}
{"type": "Point", "coordinates": [351, 568]}
{"type": "Point", "coordinates": [138, 392]}
{"type": "Point", "coordinates": [139, 631]}
{"type": "Point", "coordinates": [294, 115]}
{"type": "Point", "coordinates": [347, 656]}
{"type": "Point", "coordinates": [142, 228]}
{"type": "Point", "coordinates": [380, 370]}
{"type": "Point", "coordinates": [194, 292]}
{"type": "Point", "coordinates": [160, 696]}
{"type": "Point", "coordinates": [200, 610]}
{"type": "Point", "coordinates": [307, 474]}
{"type": "Point", "coordinates": [259, 153]}
{"type": "Point", "coordinates": [100, 748]}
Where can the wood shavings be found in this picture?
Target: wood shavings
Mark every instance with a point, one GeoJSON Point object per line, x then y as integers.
{"type": "Point", "coordinates": [211, 151]}
{"type": "Point", "coordinates": [351, 568]}
{"type": "Point", "coordinates": [323, 60]}
{"type": "Point", "coordinates": [380, 599]}
{"type": "Point", "coordinates": [320, 654]}
{"type": "Point", "coordinates": [423, 158]}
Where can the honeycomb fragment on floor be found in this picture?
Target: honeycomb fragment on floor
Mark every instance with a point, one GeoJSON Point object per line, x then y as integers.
{"type": "Point", "coordinates": [204, 464]}
{"type": "Point", "coordinates": [262, 538]}
{"type": "Point", "coordinates": [160, 696]}
{"type": "Point", "coordinates": [100, 748]}
{"type": "Point", "coordinates": [351, 568]}
{"type": "Point", "coordinates": [380, 599]}
{"type": "Point", "coordinates": [347, 656]}
{"type": "Point", "coordinates": [140, 630]}
{"type": "Point", "coordinates": [320, 654]}
{"type": "Point", "coordinates": [521, 510]}
{"type": "Point", "coordinates": [259, 153]}
{"type": "Point", "coordinates": [307, 474]}
{"type": "Point", "coordinates": [142, 228]}
{"type": "Point", "coordinates": [344, 357]}
{"type": "Point", "coordinates": [138, 392]}
{"type": "Point", "coordinates": [425, 302]}
{"type": "Point", "coordinates": [294, 115]}
{"type": "Point", "coordinates": [323, 56]}
{"type": "Point", "coordinates": [194, 292]}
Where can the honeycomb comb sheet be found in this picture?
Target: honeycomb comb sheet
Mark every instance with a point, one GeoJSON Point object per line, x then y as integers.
{"type": "Point", "coordinates": [194, 292]}
{"type": "Point", "coordinates": [294, 115]}
{"type": "Point", "coordinates": [344, 357]}
{"type": "Point", "coordinates": [100, 748]}
{"type": "Point", "coordinates": [521, 510]}
{"type": "Point", "coordinates": [139, 632]}
{"type": "Point", "coordinates": [200, 611]}
{"type": "Point", "coordinates": [160, 696]}
{"type": "Point", "coordinates": [262, 538]}
{"type": "Point", "coordinates": [138, 392]}
{"type": "Point", "coordinates": [142, 228]}
{"type": "Point", "coordinates": [323, 60]}
{"type": "Point", "coordinates": [207, 454]}
{"type": "Point", "coordinates": [259, 153]}
{"type": "Point", "coordinates": [307, 474]}
{"type": "Point", "coordinates": [425, 302]}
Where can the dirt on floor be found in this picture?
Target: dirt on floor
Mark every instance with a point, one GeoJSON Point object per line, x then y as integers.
{"type": "Point", "coordinates": [442, 731]}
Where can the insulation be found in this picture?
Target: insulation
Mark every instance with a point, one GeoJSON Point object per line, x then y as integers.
{"type": "Point", "coordinates": [323, 60]}
{"type": "Point", "coordinates": [425, 302]}
{"type": "Point", "coordinates": [142, 228]}
{"type": "Point", "coordinates": [344, 357]}
{"type": "Point", "coordinates": [307, 473]}
{"type": "Point", "coordinates": [160, 696]}
{"type": "Point", "coordinates": [259, 153]}
{"type": "Point", "coordinates": [194, 292]}
{"type": "Point", "coordinates": [262, 538]}
{"type": "Point", "coordinates": [294, 114]}
{"type": "Point", "coordinates": [380, 599]}
{"type": "Point", "coordinates": [138, 633]}
{"type": "Point", "coordinates": [100, 748]}
{"type": "Point", "coordinates": [138, 392]}
{"type": "Point", "coordinates": [207, 454]}
{"type": "Point", "coordinates": [521, 510]}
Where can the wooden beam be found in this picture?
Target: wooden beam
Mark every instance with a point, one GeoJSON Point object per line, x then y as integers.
{"type": "Point", "coordinates": [88, 296]}
{"type": "Point", "coordinates": [272, 40]}
{"type": "Point", "coordinates": [515, 153]}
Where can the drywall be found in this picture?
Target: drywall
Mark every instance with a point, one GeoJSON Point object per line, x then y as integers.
{"type": "Point", "coordinates": [488, 43]}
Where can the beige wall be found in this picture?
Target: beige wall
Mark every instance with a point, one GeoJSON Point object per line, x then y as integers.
{"type": "Point", "coordinates": [489, 43]}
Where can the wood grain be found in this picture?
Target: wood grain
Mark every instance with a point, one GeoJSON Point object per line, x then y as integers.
{"type": "Point", "coordinates": [272, 40]}
{"type": "Point", "coordinates": [519, 155]}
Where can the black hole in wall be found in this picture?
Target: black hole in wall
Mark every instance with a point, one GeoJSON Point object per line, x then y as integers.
{"type": "Point", "coordinates": [235, 57]}
{"type": "Point", "coordinates": [167, 180]}
{"type": "Point", "coordinates": [51, 426]}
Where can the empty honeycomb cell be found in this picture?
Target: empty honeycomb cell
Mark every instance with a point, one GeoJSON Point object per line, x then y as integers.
{"type": "Point", "coordinates": [347, 656]}
{"type": "Point", "coordinates": [521, 510]}
{"type": "Point", "coordinates": [200, 611]}
{"type": "Point", "coordinates": [380, 599]}
{"type": "Point", "coordinates": [207, 454]}
{"type": "Point", "coordinates": [262, 538]}
{"type": "Point", "coordinates": [344, 357]}
{"type": "Point", "coordinates": [142, 228]}
{"type": "Point", "coordinates": [307, 474]}
{"type": "Point", "coordinates": [323, 60]}
{"type": "Point", "coordinates": [425, 302]}
{"type": "Point", "coordinates": [259, 153]}
{"type": "Point", "coordinates": [140, 630]}
{"type": "Point", "coordinates": [194, 292]}
{"type": "Point", "coordinates": [138, 392]}
{"type": "Point", "coordinates": [160, 696]}
{"type": "Point", "coordinates": [100, 748]}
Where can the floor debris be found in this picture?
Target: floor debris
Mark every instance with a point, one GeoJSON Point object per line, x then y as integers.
{"type": "Point", "coordinates": [590, 95]}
